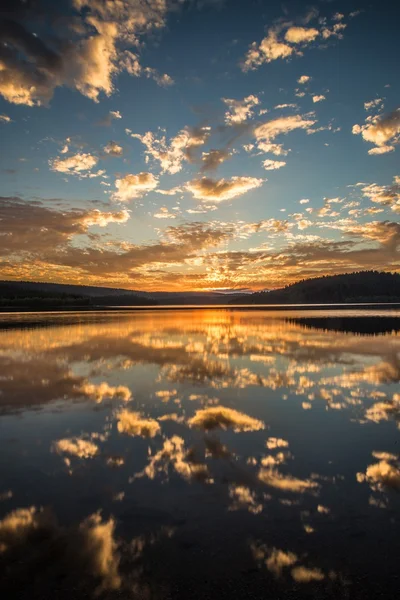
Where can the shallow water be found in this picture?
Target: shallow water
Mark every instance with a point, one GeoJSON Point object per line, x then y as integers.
{"type": "Point", "coordinates": [200, 454]}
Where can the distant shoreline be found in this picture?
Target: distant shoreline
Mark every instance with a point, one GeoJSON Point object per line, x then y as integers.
{"type": "Point", "coordinates": [232, 307]}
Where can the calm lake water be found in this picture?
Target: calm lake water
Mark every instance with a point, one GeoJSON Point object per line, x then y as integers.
{"type": "Point", "coordinates": [166, 454]}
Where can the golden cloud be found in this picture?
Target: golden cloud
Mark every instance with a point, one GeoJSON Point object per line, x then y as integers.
{"type": "Point", "coordinates": [220, 190]}
{"type": "Point", "coordinates": [131, 186]}
{"type": "Point", "coordinates": [133, 423]}
{"type": "Point", "coordinates": [221, 417]}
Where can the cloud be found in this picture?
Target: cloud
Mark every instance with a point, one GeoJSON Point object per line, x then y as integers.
{"type": "Point", "coordinates": [180, 148]}
{"type": "Point", "coordinates": [266, 133]}
{"type": "Point", "coordinates": [382, 475]}
{"type": "Point", "coordinates": [102, 219]}
{"type": "Point", "coordinates": [318, 98]}
{"type": "Point", "coordinates": [76, 447]}
{"type": "Point", "coordinates": [269, 49]}
{"type": "Point", "coordinates": [385, 195]}
{"type": "Point", "coordinates": [213, 159]}
{"type": "Point", "coordinates": [377, 102]}
{"type": "Point", "coordinates": [283, 38]}
{"type": "Point", "coordinates": [385, 410]}
{"type": "Point", "coordinates": [102, 391]}
{"type": "Point", "coordinates": [278, 561]}
{"type": "Point", "coordinates": [113, 149]}
{"type": "Point", "coordinates": [301, 35]}
{"type": "Point", "coordinates": [174, 454]}
{"type": "Point", "coordinates": [305, 575]}
{"type": "Point", "coordinates": [286, 483]}
{"type": "Point", "coordinates": [381, 150]}
{"type": "Point", "coordinates": [381, 130]}
{"type": "Point", "coordinates": [87, 553]}
{"type": "Point", "coordinates": [5, 119]}
{"type": "Point", "coordinates": [303, 79]}
{"type": "Point", "coordinates": [164, 214]}
{"type": "Point", "coordinates": [132, 186]}
{"type": "Point", "coordinates": [240, 111]}
{"type": "Point", "coordinates": [84, 51]}
{"type": "Point", "coordinates": [244, 498]}
{"type": "Point", "coordinates": [281, 106]}
{"type": "Point", "coordinates": [34, 229]}
{"type": "Point", "coordinates": [219, 190]}
{"type": "Point", "coordinates": [130, 62]}
{"type": "Point", "coordinates": [221, 417]}
{"type": "Point", "coordinates": [274, 442]}
{"type": "Point", "coordinates": [271, 165]}
{"type": "Point", "coordinates": [76, 164]}
{"type": "Point", "coordinates": [133, 423]}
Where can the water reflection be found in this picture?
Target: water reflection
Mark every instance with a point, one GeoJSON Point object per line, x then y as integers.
{"type": "Point", "coordinates": [200, 454]}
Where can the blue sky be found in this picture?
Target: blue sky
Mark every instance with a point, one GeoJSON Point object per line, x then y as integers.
{"type": "Point", "coordinates": [198, 144]}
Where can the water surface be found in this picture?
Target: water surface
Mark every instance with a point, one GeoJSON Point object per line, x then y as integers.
{"type": "Point", "coordinates": [200, 454]}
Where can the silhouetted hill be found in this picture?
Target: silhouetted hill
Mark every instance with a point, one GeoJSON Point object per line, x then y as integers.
{"type": "Point", "coordinates": [37, 294]}
{"type": "Point", "coordinates": [363, 286]}
{"type": "Point", "coordinates": [22, 294]}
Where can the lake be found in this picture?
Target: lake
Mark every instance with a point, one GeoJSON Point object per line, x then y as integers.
{"type": "Point", "coordinates": [178, 454]}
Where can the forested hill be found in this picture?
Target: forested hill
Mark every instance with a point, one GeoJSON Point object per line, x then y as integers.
{"type": "Point", "coordinates": [363, 286]}
{"type": "Point", "coordinates": [43, 296]}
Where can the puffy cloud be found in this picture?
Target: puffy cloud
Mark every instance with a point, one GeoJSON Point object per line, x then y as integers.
{"type": "Point", "coordinates": [103, 391]}
{"type": "Point", "coordinates": [180, 148]}
{"type": "Point", "coordinates": [5, 119]}
{"type": "Point", "coordinates": [382, 475]}
{"type": "Point", "coordinates": [271, 165]}
{"type": "Point", "coordinates": [385, 195]}
{"type": "Point", "coordinates": [219, 190]}
{"type": "Point", "coordinates": [76, 164]}
{"type": "Point", "coordinates": [274, 442]}
{"type": "Point", "coordinates": [244, 498]}
{"type": "Point", "coordinates": [380, 130]}
{"type": "Point", "coordinates": [269, 49]}
{"type": "Point", "coordinates": [102, 219]}
{"type": "Point", "coordinates": [84, 51]}
{"type": "Point", "coordinates": [240, 111]}
{"type": "Point", "coordinates": [377, 102]}
{"type": "Point", "coordinates": [113, 149]}
{"type": "Point", "coordinates": [318, 98]}
{"type": "Point", "coordinates": [133, 423]}
{"type": "Point", "coordinates": [134, 186]}
{"type": "Point", "coordinates": [384, 410]}
{"type": "Point", "coordinates": [301, 35]}
{"type": "Point", "coordinates": [221, 417]}
{"type": "Point", "coordinates": [76, 447]}
{"type": "Point", "coordinates": [277, 561]}
{"type": "Point", "coordinates": [303, 79]}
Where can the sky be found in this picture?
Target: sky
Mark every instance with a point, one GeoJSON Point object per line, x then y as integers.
{"type": "Point", "coordinates": [198, 144]}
